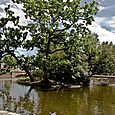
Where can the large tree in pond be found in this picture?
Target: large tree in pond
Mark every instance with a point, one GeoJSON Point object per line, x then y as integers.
{"type": "Point", "coordinates": [59, 31]}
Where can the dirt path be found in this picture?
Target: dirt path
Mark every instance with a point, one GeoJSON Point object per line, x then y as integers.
{"type": "Point", "coordinates": [5, 75]}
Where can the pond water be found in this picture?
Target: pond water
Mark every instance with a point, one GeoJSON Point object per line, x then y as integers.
{"type": "Point", "coordinates": [96, 100]}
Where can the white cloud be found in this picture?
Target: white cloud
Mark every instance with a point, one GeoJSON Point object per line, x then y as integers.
{"type": "Point", "coordinates": [111, 22]}
{"type": "Point", "coordinates": [107, 23]}
{"type": "Point", "coordinates": [104, 35]}
{"type": "Point", "coordinates": [101, 8]}
{"type": "Point", "coordinates": [100, 20]}
{"type": "Point", "coordinates": [17, 9]}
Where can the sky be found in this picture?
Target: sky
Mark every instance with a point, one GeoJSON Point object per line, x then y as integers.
{"type": "Point", "coordinates": [104, 24]}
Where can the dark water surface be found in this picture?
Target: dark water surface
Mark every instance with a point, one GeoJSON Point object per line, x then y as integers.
{"type": "Point", "coordinates": [85, 101]}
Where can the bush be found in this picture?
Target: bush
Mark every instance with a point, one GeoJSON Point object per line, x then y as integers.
{"type": "Point", "coordinates": [37, 74]}
{"type": "Point", "coordinates": [3, 71]}
{"type": "Point", "coordinates": [23, 79]}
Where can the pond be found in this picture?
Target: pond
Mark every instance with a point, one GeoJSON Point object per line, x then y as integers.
{"type": "Point", "coordinates": [95, 100]}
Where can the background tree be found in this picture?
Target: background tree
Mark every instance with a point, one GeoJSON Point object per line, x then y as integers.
{"type": "Point", "coordinates": [92, 52]}
{"type": "Point", "coordinates": [106, 59]}
{"type": "Point", "coordinates": [9, 61]}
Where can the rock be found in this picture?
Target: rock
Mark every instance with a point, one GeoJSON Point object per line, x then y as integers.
{"type": "Point", "coordinates": [8, 113]}
{"type": "Point", "coordinates": [101, 83]}
{"type": "Point", "coordinates": [3, 112]}
{"type": "Point", "coordinates": [75, 86]}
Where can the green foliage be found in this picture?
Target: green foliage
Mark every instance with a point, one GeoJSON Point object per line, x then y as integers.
{"type": "Point", "coordinates": [3, 71]}
{"type": "Point", "coordinates": [106, 59]}
{"type": "Point", "coordinates": [12, 37]}
{"type": "Point", "coordinates": [91, 51]}
{"type": "Point", "coordinates": [62, 41]}
{"type": "Point", "coordinates": [9, 61]}
{"type": "Point", "coordinates": [37, 74]}
{"type": "Point", "coordinates": [23, 79]}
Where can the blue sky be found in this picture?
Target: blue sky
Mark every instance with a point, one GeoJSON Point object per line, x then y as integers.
{"type": "Point", "coordinates": [104, 24]}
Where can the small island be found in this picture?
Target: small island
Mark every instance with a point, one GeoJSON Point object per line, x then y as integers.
{"type": "Point", "coordinates": [67, 53]}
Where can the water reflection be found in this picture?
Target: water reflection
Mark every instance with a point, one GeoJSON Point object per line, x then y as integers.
{"type": "Point", "coordinates": [85, 101]}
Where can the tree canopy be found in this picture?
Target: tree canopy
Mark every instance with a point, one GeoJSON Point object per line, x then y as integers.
{"type": "Point", "coordinates": [58, 29]}
{"type": "Point", "coordinates": [106, 59]}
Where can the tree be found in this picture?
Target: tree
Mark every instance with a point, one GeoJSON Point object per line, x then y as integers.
{"type": "Point", "coordinates": [12, 38]}
{"type": "Point", "coordinates": [106, 59]}
{"type": "Point", "coordinates": [92, 52]}
{"type": "Point", "coordinates": [9, 61]}
{"type": "Point", "coordinates": [57, 33]}
{"type": "Point", "coordinates": [56, 30]}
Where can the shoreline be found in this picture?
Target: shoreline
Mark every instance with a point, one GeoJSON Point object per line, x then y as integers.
{"type": "Point", "coordinates": [8, 113]}
{"type": "Point", "coordinates": [8, 75]}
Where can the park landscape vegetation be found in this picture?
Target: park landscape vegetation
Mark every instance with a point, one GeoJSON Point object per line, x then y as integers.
{"type": "Point", "coordinates": [67, 52]}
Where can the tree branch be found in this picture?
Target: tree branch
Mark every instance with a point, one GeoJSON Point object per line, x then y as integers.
{"type": "Point", "coordinates": [69, 26]}
{"type": "Point", "coordinates": [58, 50]}
{"type": "Point", "coordinates": [23, 66]}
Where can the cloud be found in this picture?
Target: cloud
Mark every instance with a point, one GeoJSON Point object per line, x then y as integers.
{"type": "Point", "coordinates": [106, 23]}
{"type": "Point", "coordinates": [101, 8]}
{"type": "Point", "coordinates": [100, 20]}
{"type": "Point", "coordinates": [111, 22]}
{"type": "Point", "coordinates": [104, 35]}
{"type": "Point", "coordinates": [17, 9]}
{"type": "Point", "coordinates": [103, 26]}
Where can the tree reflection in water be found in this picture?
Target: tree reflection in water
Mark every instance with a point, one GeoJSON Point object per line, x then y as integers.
{"type": "Point", "coordinates": [24, 104]}
{"type": "Point", "coordinates": [84, 101]}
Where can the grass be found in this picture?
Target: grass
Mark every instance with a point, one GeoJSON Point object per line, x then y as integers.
{"type": "Point", "coordinates": [23, 79]}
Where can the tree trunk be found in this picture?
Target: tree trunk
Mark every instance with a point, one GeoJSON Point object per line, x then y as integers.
{"type": "Point", "coordinates": [23, 66]}
{"type": "Point", "coordinates": [45, 77]}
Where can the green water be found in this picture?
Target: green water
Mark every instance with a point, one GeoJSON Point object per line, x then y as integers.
{"type": "Point", "coordinates": [95, 100]}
